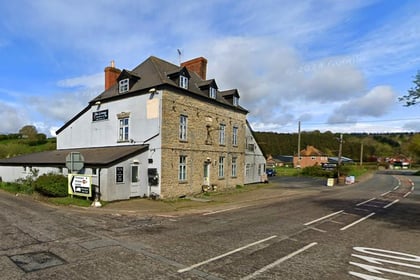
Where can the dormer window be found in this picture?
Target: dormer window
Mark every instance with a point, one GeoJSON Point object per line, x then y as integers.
{"type": "Point", "coordinates": [212, 92]}
{"type": "Point", "coordinates": [123, 85]}
{"type": "Point", "coordinates": [183, 81]}
{"type": "Point", "coordinates": [235, 101]}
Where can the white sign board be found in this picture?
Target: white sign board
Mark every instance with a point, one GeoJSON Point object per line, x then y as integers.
{"type": "Point", "coordinates": [80, 185]}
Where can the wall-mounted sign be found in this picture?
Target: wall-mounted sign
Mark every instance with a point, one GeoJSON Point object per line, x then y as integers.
{"type": "Point", "coordinates": [119, 174]}
{"type": "Point", "coordinates": [100, 115]}
{"type": "Point", "coordinates": [80, 185]}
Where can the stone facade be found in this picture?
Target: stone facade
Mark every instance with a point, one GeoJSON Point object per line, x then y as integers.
{"type": "Point", "coordinates": [201, 148]}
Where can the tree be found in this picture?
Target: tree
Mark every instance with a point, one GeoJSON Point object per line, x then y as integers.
{"type": "Point", "coordinates": [413, 94]}
{"type": "Point", "coordinates": [28, 131]}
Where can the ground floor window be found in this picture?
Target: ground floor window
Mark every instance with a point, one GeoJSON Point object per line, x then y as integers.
{"type": "Point", "coordinates": [234, 167]}
{"type": "Point", "coordinates": [221, 167]}
{"type": "Point", "coordinates": [182, 172]}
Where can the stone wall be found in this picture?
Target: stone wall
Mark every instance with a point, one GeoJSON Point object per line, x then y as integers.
{"type": "Point", "coordinates": [202, 144]}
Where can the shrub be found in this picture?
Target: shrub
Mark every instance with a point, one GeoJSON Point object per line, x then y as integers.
{"type": "Point", "coordinates": [316, 171]}
{"type": "Point", "coordinates": [53, 185]}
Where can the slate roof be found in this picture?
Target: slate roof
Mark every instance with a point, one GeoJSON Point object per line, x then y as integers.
{"type": "Point", "coordinates": [154, 72]}
{"type": "Point", "coordinates": [94, 157]}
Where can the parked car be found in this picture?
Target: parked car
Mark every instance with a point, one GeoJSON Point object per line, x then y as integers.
{"type": "Point", "coordinates": [270, 172]}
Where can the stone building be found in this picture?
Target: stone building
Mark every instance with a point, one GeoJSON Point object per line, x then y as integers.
{"type": "Point", "coordinates": [159, 129]}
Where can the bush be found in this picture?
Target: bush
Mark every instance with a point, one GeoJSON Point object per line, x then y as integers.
{"type": "Point", "coordinates": [317, 171]}
{"type": "Point", "coordinates": [53, 185]}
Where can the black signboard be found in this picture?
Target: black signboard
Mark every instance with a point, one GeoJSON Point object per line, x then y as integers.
{"type": "Point", "coordinates": [100, 115]}
{"type": "Point", "coordinates": [119, 178]}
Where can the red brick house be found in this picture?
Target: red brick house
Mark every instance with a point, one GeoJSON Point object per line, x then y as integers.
{"type": "Point", "coordinates": [310, 156]}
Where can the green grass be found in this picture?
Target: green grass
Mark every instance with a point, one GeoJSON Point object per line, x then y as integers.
{"type": "Point", "coordinates": [70, 201]}
{"type": "Point", "coordinates": [287, 171]}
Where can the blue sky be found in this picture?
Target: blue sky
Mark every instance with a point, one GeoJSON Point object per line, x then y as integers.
{"type": "Point", "coordinates": [332, 64]}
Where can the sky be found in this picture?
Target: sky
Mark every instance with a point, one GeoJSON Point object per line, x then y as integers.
{"type": "Point", "coordinates": [332, 65]}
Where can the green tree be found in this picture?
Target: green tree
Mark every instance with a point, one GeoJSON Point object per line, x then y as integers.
{"type": "Point", "coordinates": [413, 94]}
{"type": "Point", "coordinates": [28, 131]}
{"type": "Point", "coordinates": [414, 146]}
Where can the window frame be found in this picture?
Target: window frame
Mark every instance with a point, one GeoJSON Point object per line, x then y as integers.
{"type": "Point", "coordinates": [124, 85]}
{"type": "Point", "coordinates": [183, 128]}
{"type": "Point", "coordinates": [212, 92]}
{"type": "Point", "coordinates": [182, 168]}
{"type": "Point", "coordinates": [124, 129]}
{"type": "Point", "coordinates": [221, 167]}
{"type": "Point", "coordinates": [222, 134]}
{"type": "Point", "coordinates": [183, 81]}
{"type": "Point", "coordinates": [234, 172]}
{"type": "Point", "coordinates": [235, 130]}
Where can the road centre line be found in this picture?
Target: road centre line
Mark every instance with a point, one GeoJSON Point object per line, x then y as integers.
{"type": "Point", "coordinates": [323, 218]}
{"type": "Point", "coordinates": [395, 201]}
{"type": "Point", "coordinates": [358, 221]}
{"type": "Point", "coordinates": [407, 194]}
{"type": "Point", "coordinates": [224, 210]}
{"type": "Point", "coordinates": [225, 254]}
{"type": "Point", "coordinates": [384, 194]}
{"type": "Point", "coordinates": [279, 261]}
{"type": "Point", "coordinates": [366, 201]}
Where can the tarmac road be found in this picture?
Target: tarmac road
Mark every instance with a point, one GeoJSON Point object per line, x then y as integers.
{"type": "Point", "coordinates": [293, 229]}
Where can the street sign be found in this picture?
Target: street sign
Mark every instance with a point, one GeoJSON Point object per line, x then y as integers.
{"type": "Point", "coordinates": [80, 185]}
{"type": "Point", "coordinates": [74, 162]}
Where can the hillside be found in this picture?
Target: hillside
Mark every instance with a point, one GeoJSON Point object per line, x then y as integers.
{"type": "Point", "coordinates": [15, 144]}
{"type": "Point", "coordinates": [374, 145]}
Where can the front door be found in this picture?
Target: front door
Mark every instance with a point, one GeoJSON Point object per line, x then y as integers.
{"type": "Point", "coordinates": [206, 174]}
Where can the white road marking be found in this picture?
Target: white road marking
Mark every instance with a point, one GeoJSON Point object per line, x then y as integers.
{"type": "Point", "coordinates": [385, 193]}
{"type": "Point", "coordinates": [358, 221]}
{"type": "Point", "coordinates": [395, 201]}
{"type": "Point", "coordinates": [279, 261]}
{"type": "Point", "coordinates": [366, 201]}
{"type": "Point", "coordinates": [396, 188]}
{"type": "Point", "coordinates": [221, 211]}
{"type": "Point", "coordinates": [407, 194]}
{"type": "Point", "coordinates": [323, 218]}
{"type": "Point", "coordinates": [225, 254]}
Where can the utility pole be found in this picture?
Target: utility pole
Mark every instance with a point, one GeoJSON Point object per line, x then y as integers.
{"type": "Point", "coordinates": [298, 161]}
{"type": "Point", "coordinates": [340, 149]}
{"type": "Point", "coordinates": [361, 154]}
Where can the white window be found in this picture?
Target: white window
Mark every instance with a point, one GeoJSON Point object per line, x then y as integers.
{"type": "Point", "coordinates": [235, 136]}
{"type": "Point", "coordinates": [234, 166]}
{"type": "Point", "coordinates": [183, 122]}
{"type": "Point", "coordinates": [212, 92]}
{"type": "Point", "coordinates": [235, 101]}
{"type": "Point", "coordinates": [222, 129]}
{"type": "Point", "coordinates": [183, 82]}
{"type": "Point", "coordinates": [182, 173]}
{"type": "Point", "coordinates": [123, 86]}
{"type": "Point", "coordinates": [221, 167]}
{"type": "Point", "coordinates": [124, 129]}
{"type": "Point", "coordinates": [247, 169]}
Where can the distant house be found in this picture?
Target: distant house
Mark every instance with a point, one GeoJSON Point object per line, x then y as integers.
{"type": "Point", "coordinates": [274, 161]}
{"type": "Point", "coordinates": [310, 156]}
{"type": "Point", "coordinates": [159, 129]}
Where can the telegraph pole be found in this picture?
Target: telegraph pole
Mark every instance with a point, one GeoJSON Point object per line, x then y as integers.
{"type": "Point", "coordinates": [340, 149]}
{"type": "Point", "coordinates": [298, 161]}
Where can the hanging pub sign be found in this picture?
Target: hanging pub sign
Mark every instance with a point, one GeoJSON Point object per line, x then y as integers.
{"type": "Point", "coordinates": [100, 115]}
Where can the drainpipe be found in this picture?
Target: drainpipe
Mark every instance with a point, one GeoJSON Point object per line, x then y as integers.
{"type": "Point", "coordinates": [96, 202]}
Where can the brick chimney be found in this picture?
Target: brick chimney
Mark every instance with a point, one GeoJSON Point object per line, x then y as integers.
{"type": "Point", "coordinates": [197, 65]}
{"type": "Point", "coordinates": [111, 75]}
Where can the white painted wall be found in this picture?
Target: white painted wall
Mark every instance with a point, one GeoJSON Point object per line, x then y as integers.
{"type": "Point", "coordinates": [254, 159]}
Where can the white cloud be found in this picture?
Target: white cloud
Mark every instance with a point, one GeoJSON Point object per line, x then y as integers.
{"type": "Point", "coordinates": [375, 103]}
{"type": "Point", "coordinates": [12, 119]}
